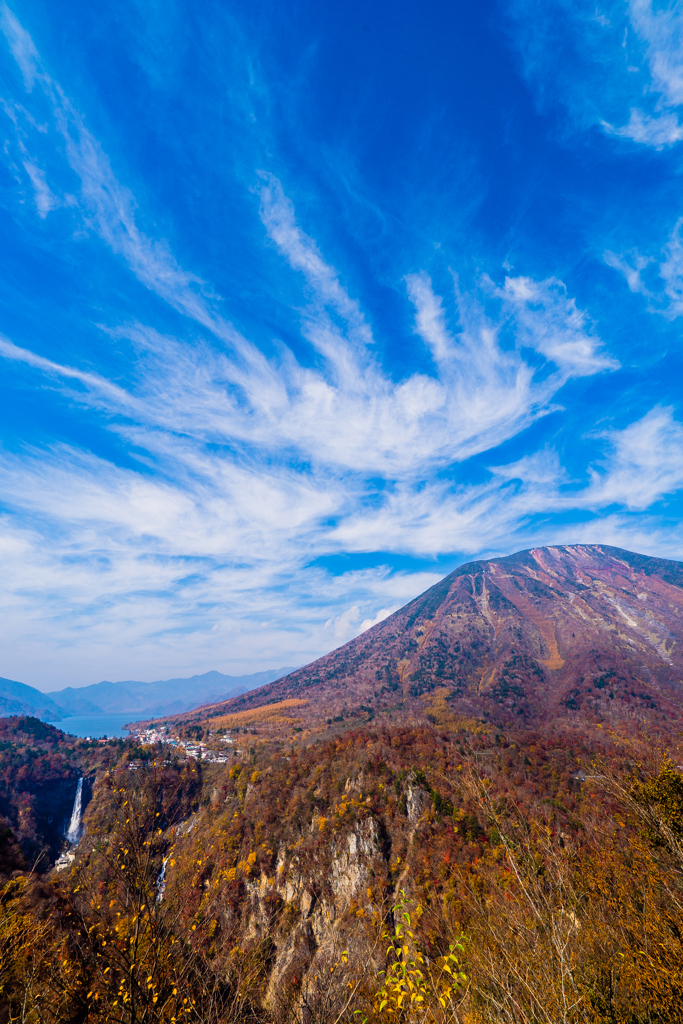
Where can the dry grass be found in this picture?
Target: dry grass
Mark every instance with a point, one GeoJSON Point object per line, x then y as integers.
{"type": "Point", "coordinates": [269, 713]}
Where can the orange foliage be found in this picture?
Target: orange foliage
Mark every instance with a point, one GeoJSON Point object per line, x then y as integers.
{"type": "Point", "coordinates": [270, 713]}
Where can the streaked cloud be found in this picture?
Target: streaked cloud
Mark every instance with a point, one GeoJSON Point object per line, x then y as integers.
{"type": "Point", "coordinates": [623, 69]}
{"type": "Point", "coordinates": [549, 321]}
{"type": "Point", "coordinates": [657, 277]}
{"type": "Point", "coordinates": [645, 462]}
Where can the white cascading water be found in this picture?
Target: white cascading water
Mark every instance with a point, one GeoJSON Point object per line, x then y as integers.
{"type": "Point", "coordinates": [74, 831]}
{"type": "Point", "coordinates": [161, 880]}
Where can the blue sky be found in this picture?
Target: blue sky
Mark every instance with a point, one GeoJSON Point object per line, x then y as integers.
{"type": "Point", "coordinates": [302, 305]}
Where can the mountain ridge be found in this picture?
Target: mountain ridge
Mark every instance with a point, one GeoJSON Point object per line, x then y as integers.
{"type": "Point", "coordinates": [160, 697]}
{"type": "Point", "coordinates": [584, 633]}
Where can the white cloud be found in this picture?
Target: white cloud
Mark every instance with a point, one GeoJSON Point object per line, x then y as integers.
{"type": "Point", "coordinates": [661, 28]}
{"type": "Point", "coordinates": [657, 37]}
{"type": "Point", "coordinates": [349, 413]}
{"type": "Point", "coordinates": [618, 66]}
{"type": "Point", "coordinates": [278, 215]}
{"type": "Point", "coordinates": [381, 615]}
{"type": "Point", "coordinates": [93, 382]}
{"type": "Point", "coordinates": [344, 626]}
{"type": "Point", "coordinates": [542, 468]}
{"type": "Point", "coordinates": [665, 296]}
{"type": "Point", "coordinates": [645, 463]}
{"type": "Point", "coordinates": [549, 321]}
{"type": "Point", "coordinates": [108, 207]}
{"type": "Point", "coordinates": [631, 267]}
{"type": "Point", "coordinates": [671, 272]}
{"type": "Point", "coordinates": [650, 130]}
{"type": "Point", "coordinates": [21, 45]}
{"type": "Point", "coordinates": [347, 624]}
{"type": "Point", "coordinates": [655, 34]}
{"type": "Point", "coordinates": [430, 319]}
{"type": "Point", "coordinates": [45, 199]}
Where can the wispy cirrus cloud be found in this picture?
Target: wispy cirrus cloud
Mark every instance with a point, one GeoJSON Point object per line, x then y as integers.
{"type": "Point", "coordinates": [106, 206]}
{"type": "Point", "coordinates": [615, 65]}
{"type": "Point", "coordinates": [645, 463]}
{"type": "Point", "coordinates": [549, 321]}
{"type": "Point", "coordinates": [660, 32]}
{"type": "Point", "coordinates": [657, 277]}
{"type": "Point", "coordinates": [480, 397]}
{"type": "Point", "coordinates": [99, 388]}
{"type": "Point", "coordinates": [350, 413]}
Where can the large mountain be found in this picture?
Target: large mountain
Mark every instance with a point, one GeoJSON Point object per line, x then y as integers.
{"type": "Point", "coordinates": [581, 633]}
{"type": "Point", "coordinates": [130, 697]}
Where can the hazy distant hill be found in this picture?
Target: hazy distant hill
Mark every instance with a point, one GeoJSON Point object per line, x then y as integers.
{"type": "Point", "coordinates": [19, 699]}
{"type": "Point", "coordinates": [163, 697]}
{"type": "Point", "coordinates": [587, 634]}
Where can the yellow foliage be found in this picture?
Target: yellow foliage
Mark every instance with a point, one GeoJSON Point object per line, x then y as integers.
{"type": "Point", "coordinates": [403, 674]}
{"type": "Point", "coordinates": [269, 713]}
{"type": "Point", "coordinates": [19, 932]}
{"type": "Point", "coordinates": [442, 715]}
{"type": "Point", "coordinates": [414, 988]}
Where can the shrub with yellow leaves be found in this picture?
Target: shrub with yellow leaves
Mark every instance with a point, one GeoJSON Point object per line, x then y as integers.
{"type": "Point", "coordinates": [413, 987]}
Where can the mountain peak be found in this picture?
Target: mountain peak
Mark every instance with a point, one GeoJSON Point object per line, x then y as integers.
{"type": "Point", "coordinates": [583, 633]}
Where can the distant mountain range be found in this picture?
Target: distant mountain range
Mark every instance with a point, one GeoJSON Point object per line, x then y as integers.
{"type": "Point", "coordinates": [140, 700]}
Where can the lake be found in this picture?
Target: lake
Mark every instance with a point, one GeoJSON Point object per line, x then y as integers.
{"type": "Point", "coordinates": [96, 726]}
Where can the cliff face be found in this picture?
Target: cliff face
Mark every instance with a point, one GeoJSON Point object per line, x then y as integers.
{"type": "Point", "coordinates": [588, 630]}
{"type": "Point", "coordinates": [39, 772]}
{"type": "Point", "coordinates": [37, 810]}
{"type": "Point", "coordinates": [299, 853]}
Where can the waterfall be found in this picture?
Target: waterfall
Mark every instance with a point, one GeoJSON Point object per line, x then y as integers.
{"type": "Point", "coordinates": [161, 880]}
{"type": "Point", "coordinates": [74, 831]}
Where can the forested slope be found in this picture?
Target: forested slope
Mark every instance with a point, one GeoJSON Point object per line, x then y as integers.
{"type": "Point", "coordinates": [588, 634]}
